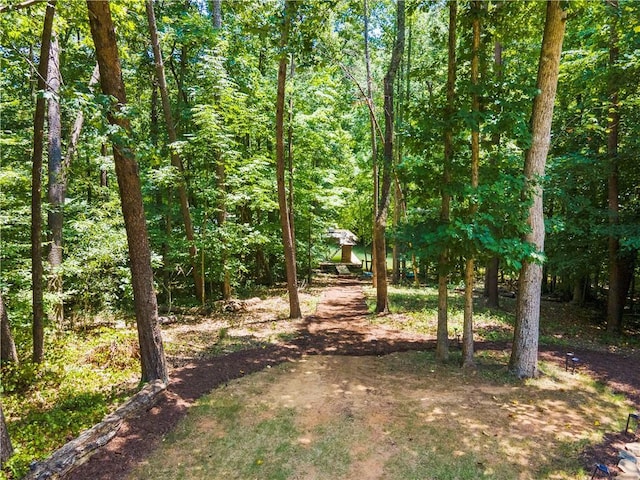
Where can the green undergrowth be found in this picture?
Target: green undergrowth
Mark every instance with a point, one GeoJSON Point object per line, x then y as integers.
{"type": "Point", "coordinates": [85, 375]}
{"type": "Point", "coordinates": [91, 369]}
{"type": "Point", "coordinates": [562, 324]}
{"type": "Point", "coordinates": [417, 310]}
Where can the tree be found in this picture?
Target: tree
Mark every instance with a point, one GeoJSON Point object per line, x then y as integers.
{"type": "Point", "coordinates": [287, 233]}
{"type": "Point", "coordinates": [56, 188]}
{"type": "Point", "coordinates": [467, 330]}
{"type": "Point", "coordinates": [442, 346]}
{"type": "Point", "coordinates": [382, 300]}
{"type": "Point", "coordinates": [176, 161]}
{"type": "Point", "coordinates": [151, 349]}
{"type": "Point", "coordinates": [37, 271]}
{"type": "Point", "coordinates": [524, 353]}
{"type": "Point", "coordinates": [6, 450]}
{"type": "Point", "coordinates": [8, 351]}
{"type": "Point", "coordinates": [617, 291]}
{"type": "Point", "coordinates": [493, 265]}
{"type": "Point", "coordinates": [372, 124]}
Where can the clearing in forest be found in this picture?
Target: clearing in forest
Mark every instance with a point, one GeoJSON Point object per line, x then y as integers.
{"type": "Point", "coordinates": [344, 398]}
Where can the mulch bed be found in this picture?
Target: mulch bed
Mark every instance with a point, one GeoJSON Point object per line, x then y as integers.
{"type": "Point", "coordinates": [339, 327]}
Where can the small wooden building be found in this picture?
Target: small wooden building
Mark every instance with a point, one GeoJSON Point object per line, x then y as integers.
{"type": "Point", "coordinates": [346, 239]}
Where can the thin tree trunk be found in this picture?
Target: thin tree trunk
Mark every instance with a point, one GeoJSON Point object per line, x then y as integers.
{"type": "Point", "coordinates": [6, 449]}
{"type": "Point", "coordinates": [399, 209]}
{"type": "Point", "coordinates": [493, 266]}
{"type": "Point", "coordinates": [442, 342]}
{"type": "Point", "coordinates": [151, 349]}
{"type": "Point", "coordinates": [290, 192]}
{"type": "Point", "coordinates": [104, 177]}
{"type": "Point", "coordinates": [216, 14]}
{"type": "Point", "coordinates": [467, 329]}
{"type": "Point", "coordinates": [615, 307]}
{"type": "Point", "coordinates": [287, 237]}
{"type": "Point", "coordinates": [176, 161]}
{"type": "Point", "coordinates": [8, 352]}
{"type": "Point", "coordinates": [374, 144]}
{"type": "Point", "coordinates": [37, 271]}
{"type": "Point", "coordinates": [382, 300]}
{"type": "Point", "coordinates": [524, 353]}
{"type": "Point", "coordinates": [56, 188]}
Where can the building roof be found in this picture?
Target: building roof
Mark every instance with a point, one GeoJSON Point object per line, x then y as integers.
{"type": "Point", "coordinates": [343, 236]}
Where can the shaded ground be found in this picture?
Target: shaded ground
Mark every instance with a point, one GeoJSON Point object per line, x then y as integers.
{"type": "Point", "coordinates": [339, 327]}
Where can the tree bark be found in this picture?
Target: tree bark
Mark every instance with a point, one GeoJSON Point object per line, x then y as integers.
{"type": "Point", "coordinates": [374, 143]}
{"type": "Point", "coordinates": [442, 342]}
{"type": "Point", "coordinates": [37, 271]}
{"type": "Point", "coordinates": [493, 266]}
{"type": "Point", "coordinates": [6, 449]}
{"type": "Point", "coordinates": [616, 297]}
{"type": "Point", "coordinates": [382, 300]}
{"type": "Point", "coordinates": [289, 156]}
{"type": "Point", "coordinates": [8, 352]}
{"type": "Point", "coordinates": [467, 329]}
{"type": "Point", "coordinates": [176, 161]}
{"type": "Point", "coordinates": [56, 188]}
{"type": "Point", "coordinates": [287, 235]}
{"type": "Point", "coordinates": [151, 349]}
{"type": "Point", "coordinates": [491, 283]}
{"type": "Point", "coordinates": [216, 13]}
{"type": "Point", "coordinates": [524, 353]}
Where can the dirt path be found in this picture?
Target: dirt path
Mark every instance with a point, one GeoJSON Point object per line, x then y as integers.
{"type": "Point", "coordinates": [339, 327]}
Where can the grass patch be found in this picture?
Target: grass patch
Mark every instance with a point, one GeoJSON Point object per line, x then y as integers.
{"type": "Point", "coordinates": [401, 416]}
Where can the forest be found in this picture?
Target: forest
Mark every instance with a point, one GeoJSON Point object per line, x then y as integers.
{"type": "Point", "coordinates": [162, 156]}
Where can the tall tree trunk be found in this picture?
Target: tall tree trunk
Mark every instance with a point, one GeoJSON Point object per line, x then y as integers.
{"type": "Point", "coordinates": [216, 13]}
{"type": "Point", "coordinates": [176, 161]}
{"type": "Point", "coordinates": [524, 353]}
{"type": "Point", "coordinates": [8, 352]}
{"type": "Point", "coordinates": [56, 188]}
{"type": "Point", "coordinates": [287, 235]}
{"type": "Point", "coordinates": [290, 192]}
{"type": "Point", "coordinates": [382, 300]}
{"type": "Point", "coordinates": [442, 342]}
{"type": "Point", "coordinates": [467, 330]}
{"type": "Point", "coordinates": [37, 271]}
{"type": "Point", "coordinates": [216, 16]}
{"type": "Point", "coordinates": [6, 450]}
{"type": "Point", "coordinates": [374, 143]}
{"type": "Point", "coordinates": [399, 201]}
{"type": "Point", "coordinates": [493, 266]}
{"type": "Point", "coordinates": [151, 349]}
{"type": "Point", "coordinates": [615, 307]}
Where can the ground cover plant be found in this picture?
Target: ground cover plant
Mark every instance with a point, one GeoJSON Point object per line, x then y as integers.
{"type": "Point", "coordinates": [93, 370]}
